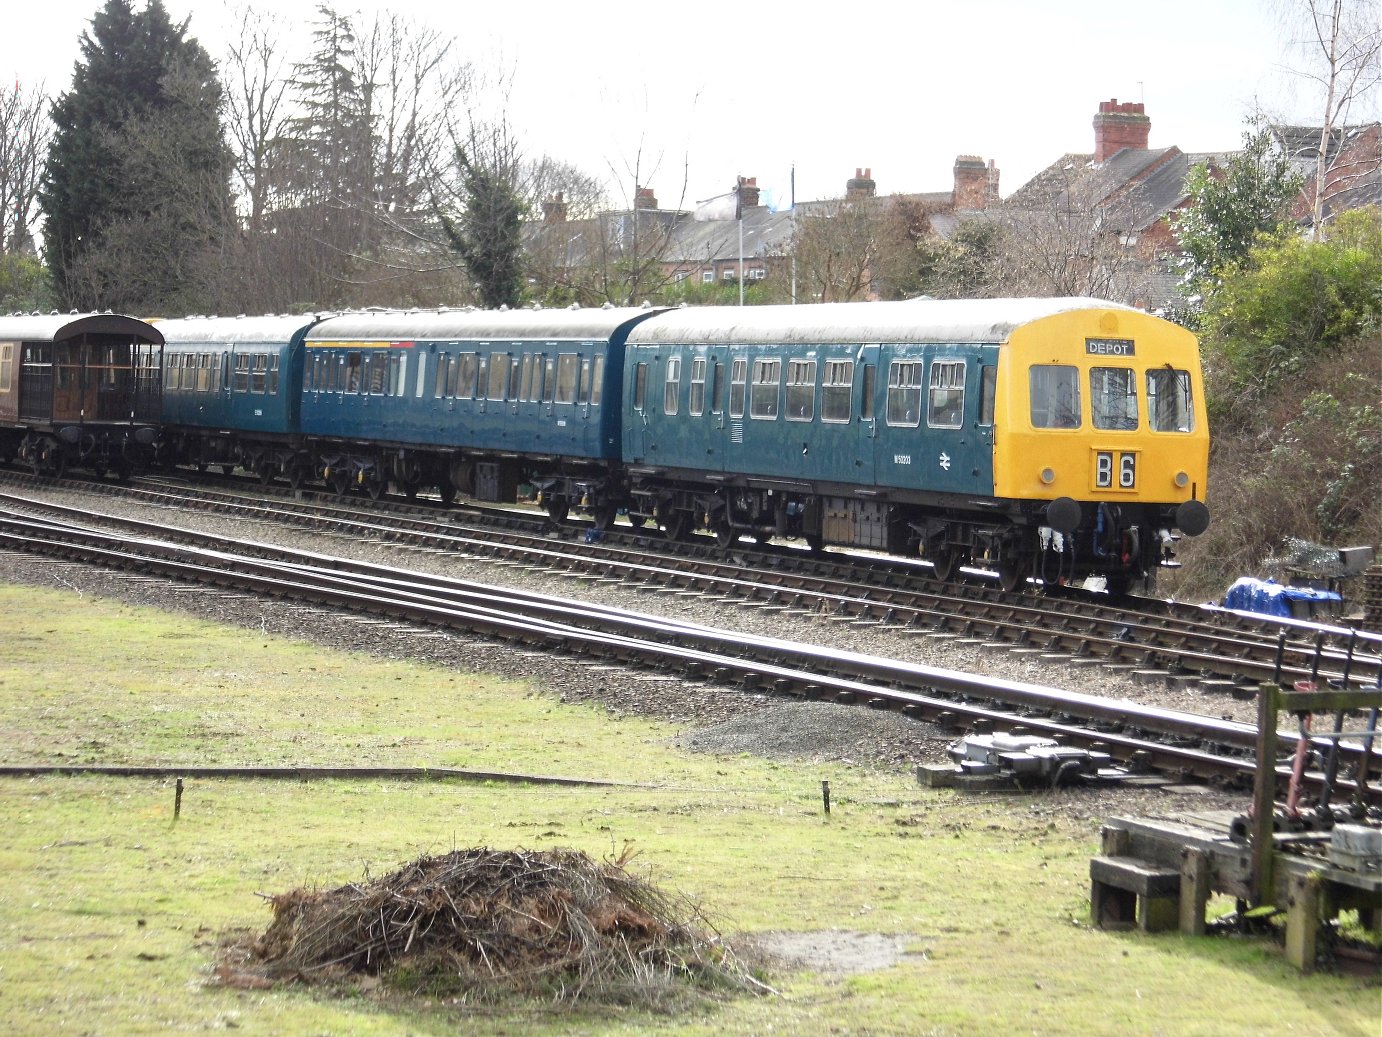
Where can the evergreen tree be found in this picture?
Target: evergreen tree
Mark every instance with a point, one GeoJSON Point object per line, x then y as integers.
{"type": "Point", "coordinates": [136, 190]}
{"type": "Point", "coordinates": [1230, 209]}
{"type": "Point", "coordinates": [488, 236]}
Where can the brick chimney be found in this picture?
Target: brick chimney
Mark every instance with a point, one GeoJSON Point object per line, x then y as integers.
{"type": "Point", "coordinates": [1119, 126]}
{"type": "Point", "coordinates": [644, 198]}
{"type": "Point", "coordinates": [976, 183]}
{"type": "Point", "coordinates": [861, 185]}
{"type": "Point", "coordinates": [748, 192]}
{"type": "Point", "coordinates": [554, 209]}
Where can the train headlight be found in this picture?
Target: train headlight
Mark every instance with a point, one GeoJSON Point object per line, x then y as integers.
{"type": "Point", "coordinates": [1048, 476]}
{"type": "Point", "coordinates": [1182, 480]}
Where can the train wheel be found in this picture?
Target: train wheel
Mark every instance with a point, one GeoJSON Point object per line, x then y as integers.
{"type": "Point", "coordinates": [603, 516]}
{"type": "Point", "coordinates": [447, 493]}
{"type": "Point", "coordinates": [815, 542]}
{"type": "Point", "coordinates": [1011, 577]}
{"type": "Point", "coordinates": [265, 470]}
{"type": "Point", "coordinates": [637, 521]}
{"type": "Point", "coordinates": [724, 533]}
{"type": "Point", "coordinates": [676, 525]}
{"type": "Point", "coordinates": [376, 488]}
{"type": "Point", "coordinates": [340, 483]}
{"type": "Point", "coordinates": [946, 565]}
{"type": "Point", "coordinates": [557, 509]}
{"type": "Point", "coordinates": [410, 490]}
{"type": "Point", "coordinates": [226, 469]}
{"type": "Point", "coordinates": [297, 475]}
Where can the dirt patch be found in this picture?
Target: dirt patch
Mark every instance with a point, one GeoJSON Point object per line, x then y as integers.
{"type": "Point", "coordinates": [835, 952]}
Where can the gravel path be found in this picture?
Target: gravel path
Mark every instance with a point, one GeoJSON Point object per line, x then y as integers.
{"type": "Point", "coordinates": [714, 720]}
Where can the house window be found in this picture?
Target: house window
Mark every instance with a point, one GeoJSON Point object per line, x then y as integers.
{"type": "Point", "coordinates": [708, 276]}
{"type": "Point", "coordinates": [727, 274]}
{"type": "Point", "coordinates": [756, 274]}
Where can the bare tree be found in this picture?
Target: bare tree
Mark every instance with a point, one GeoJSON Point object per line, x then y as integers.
{"type": "Point", "coordinates": [25, 133]}
{"type": "Point", "coordinates": [837, 246]}
{"type": "Point", "coordinates": [1342, 43]}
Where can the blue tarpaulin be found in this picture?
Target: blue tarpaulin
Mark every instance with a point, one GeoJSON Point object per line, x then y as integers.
{"type": "Point", "coordinates": [1272, 599]}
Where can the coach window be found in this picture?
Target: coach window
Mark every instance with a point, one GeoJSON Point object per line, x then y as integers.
{"type": "Point", "coordinates": [801, 390]}
{"type": "Point", "coordinates": [597, 380]}
{"type": "Point", "coordinates": [946, 406]}
{"type": "Point", "coordinates": [1054, 396]}
{"type": "Point", "coordinates": [640, 387]}
{"type": "Point", "coordinates": [835, 393]}
{"type": "Point", "coordinates": [398, 374]}
{"type": "Point", "coordinates": [1170, 404]}
{"type": "Point", "coordinates": [515, 373]}
{"type": "Point", "coordinates": [767, 377]}
{"type": "Point", "coordinates": [904, 393]}
{"type": "Point", "coordinates": [583, 394]}
{"type": "Point", "coordinates": [696, 404]}
{"type": "Point", "coordinates": [568, 377]}
{"type": "Point", "coordinates": [171, 372]}
{"type": "Point", "coordinates": [738, 384]}
{"type": "Point", "coordinates": [464, 378]}
{"type": "Point", "coordinates": [440, 390]}
{"type": "Point", "coordinates": [988, 393]}
{"type": "Point", "coordinates": [355, 371]}
{"type": "Point", "coordinates": [672, 386]}
{"type": "Point", "coordinates": [532, 368]}
{"type": "Point", "coordinates": [498, 377]}
{"type": "Point", "coordinates": [549, 379]}
{"type": "Point", "coordinates": [242, 373]}
{"type": "Point", "coordinates": [6, 366]}
{"type": "Point", "coordinates": [717, 388]}
{"type": "Point", "coordinates": [203, 372]}
{"type": "Point", "coordinates": [1113, 398]}
{"type": "Point", "coordinates": [259, 373]}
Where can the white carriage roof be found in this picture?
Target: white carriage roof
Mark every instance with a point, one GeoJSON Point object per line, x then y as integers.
{"type": "Point", "coordinates": [55, 327]}
{"type": "Point", "coordinates": [916, 320]}
{"type": "Point", "coordinates": [235, 330]}
{"type": "Point", "coordinates": [471, 325]}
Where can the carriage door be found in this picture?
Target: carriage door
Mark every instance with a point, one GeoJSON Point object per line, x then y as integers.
{"type": "Point", "coordinates": [36, 382]}
{"type": "Point", "coordinates": [636, 428]}
{"type": "Point", "coordinates": [867, 408]}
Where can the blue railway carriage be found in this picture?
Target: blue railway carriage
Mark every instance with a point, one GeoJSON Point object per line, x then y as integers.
{"type": "Point", "coordinates": [79, 390]}
{"type": "Point", "coordinates": [1051, 438]}
{"type": "Point", "coordinates": [480, 402]}
{"type": "Point", "coordinates": [231, 394]}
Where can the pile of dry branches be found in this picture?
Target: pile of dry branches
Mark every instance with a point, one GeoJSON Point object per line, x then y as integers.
{"type": "Point", "coordinates": [482, 924]}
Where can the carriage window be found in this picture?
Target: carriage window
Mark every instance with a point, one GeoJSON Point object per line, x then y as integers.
{"type": "Point", "coordinates": [597, 380]}
{"type": "Point", "coordinates": [738, 380]}
{"type": "Point", "coordinates": [398, 374]}
{"type": "Point", "coordinates": [464, 377]}
{"type": "Point", "coordinates": [672, 386]}
{"type": "Point", "coordinates": [1113, 398]}
{"type": "Point", "coordinates": [801, 390]}
{"type": "Point", "coordinates": [172, 379]}
{"type": "Point", "coordinates": [354, 370]}
{"type": "Point", "coordinates": [947, 404]}
{"type": "Point", "coordinates": [549, 380]}
{"type": "Point", "coordinates": [498, 380]}
{"type": "Point", "coordinates": [904, 393]}
{"type": "Point", "coordinates": [583, 396]}
{"type": "Point", "coordinates": [242, 373]}
{"type": "Point", "coordinates": [515, 375]}
{"type": "Point", "coordinates": [717, 389]}
{"type": "Point", "coordinates": [767, 376]}
{"type": "Point", "coordinates": [6, 366]}
{"type": "Point", "coordinates": [1170, 404]}
{"type": "Point", "coordinates": [204, 372]}
{"type": "Point", "coordinates": [532, 378]}
{"type": "Point", "coordinates": [1055, 396]}
{"type": "Point", "coordinates": [867, 396]}
{"type": "Point", "coordinates": [835, 393]}
{"type": "Point", "coordinates": [988, 393]}
{"type": "Point", "coordinates": [440, 390]}
{"type": "Point", "coordinates": [568, 376]}
{"type": "Point", "coordinates": [697, 404]}
{"type": "Point", "coordinates": [640, 387]}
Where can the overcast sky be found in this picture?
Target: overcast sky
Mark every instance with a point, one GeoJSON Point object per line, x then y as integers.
{"type": "Point", "coordinates": [699, 93]}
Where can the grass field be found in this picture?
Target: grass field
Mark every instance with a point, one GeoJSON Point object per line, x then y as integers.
{"type": "Point", "coordinates": [111, 913]}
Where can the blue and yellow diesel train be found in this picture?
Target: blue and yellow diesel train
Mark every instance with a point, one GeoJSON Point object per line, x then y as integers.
{"type": "Point", "coordinates": [1060, 439]}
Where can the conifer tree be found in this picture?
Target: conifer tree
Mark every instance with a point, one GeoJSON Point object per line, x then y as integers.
{"type": "Point", "coordinates": [136, 190]}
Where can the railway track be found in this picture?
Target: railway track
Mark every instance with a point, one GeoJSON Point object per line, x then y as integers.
{"type": "Point", "coordinates": [1184, 744]}
{"type": "Point", "coordinates": [1224, 651]}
